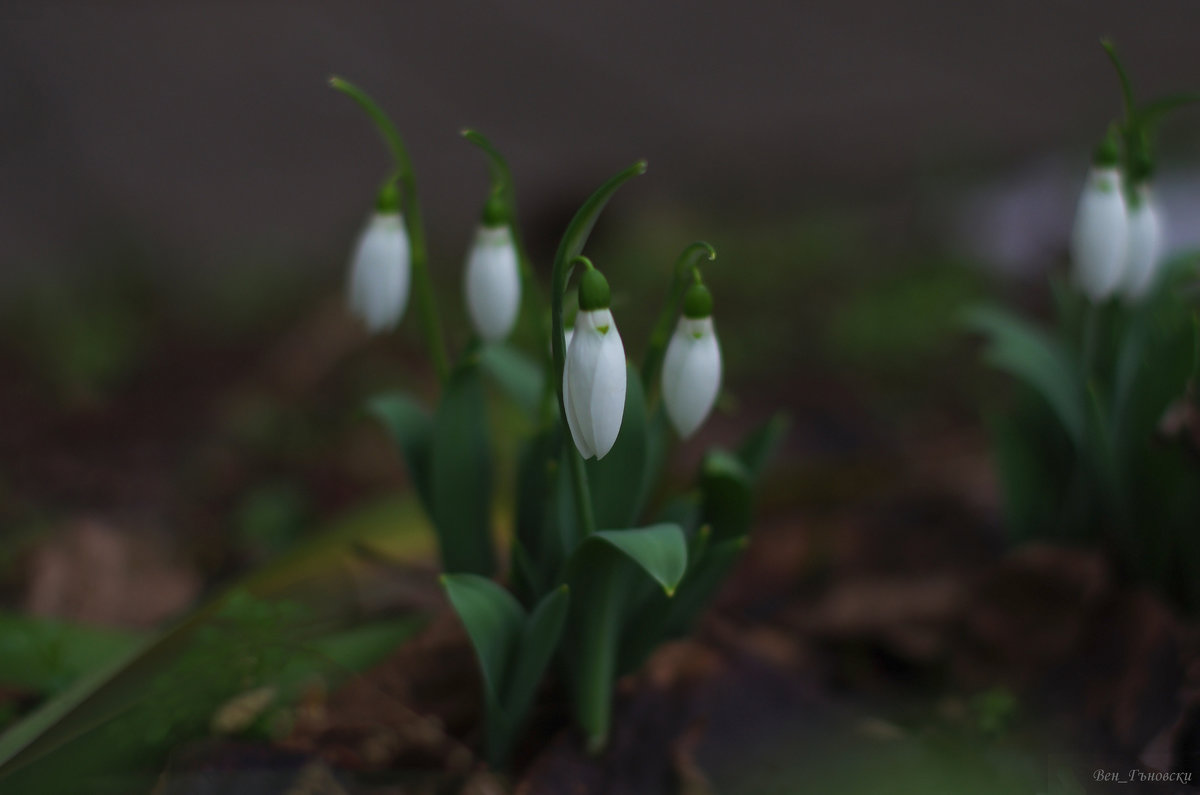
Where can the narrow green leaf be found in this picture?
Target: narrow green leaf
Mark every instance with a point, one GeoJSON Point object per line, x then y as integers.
{"type": "Point", "coordinates": [494, 621]}
{"type": "Point", "coordinates": [1026, 352]}
{"type": "Point", "coordinates": [521, 378]}
{"type": "Point", "coordinates": [412, 430]}
{"type": "Point", "coordinates": [537, 527]}
{"type": "Point", "coordinates": [762, 443]}
{"type": "Point", "coordinates": [726, 495]}
{"type": "Point", "coordinates": [539, 640]}
{"type": "Point", "coordinates": [617, 479]}
{"type": "Point", "coordinates": [461, 478]}
{"type": "Point", "coordinates": [45, 655]}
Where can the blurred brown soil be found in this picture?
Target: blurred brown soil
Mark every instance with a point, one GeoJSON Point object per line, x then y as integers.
{"type": "Point", "coordinates": [836, 620]}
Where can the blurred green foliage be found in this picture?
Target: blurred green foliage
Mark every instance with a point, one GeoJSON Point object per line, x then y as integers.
{"type": "Point", "coordinates": [1089, 453]}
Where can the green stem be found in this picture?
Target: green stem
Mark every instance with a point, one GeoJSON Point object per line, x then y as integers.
{"type": "Point", "coordinates": [598, 661]}
{"type": "Point", "coordinates": [1126, 86]}
{"type": "Point", "coordinates": [661, 334]}
{"type": "Point", "coordinates": [422, 285]}
{"type": "Point", "coordinates": [569, 247]}
{"type": "Point", "coordinates": [502, 182]}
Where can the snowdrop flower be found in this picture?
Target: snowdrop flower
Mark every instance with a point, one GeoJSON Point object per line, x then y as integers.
{"type": "Point", "coordinates": [493, 282]}
{"type": "Point", "coordinates": [594, 371]}
{"type": "Point", "coordinates": [691, 374]}
{"type": "Point", "coordinates": [380, 269]}
{"type": "Point", "coordinates": [1101, 233]}
{"type": "Point", "coordinates": [1144, 246]}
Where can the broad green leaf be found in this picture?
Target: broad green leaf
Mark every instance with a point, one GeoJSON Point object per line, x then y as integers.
{"type": "Point", "coordinates": [762, 443]}
{"type": "Point", "coordinates": [521, 378]}
{"type": "Point", "coordinates": [412, 430]}
{"type": "Point", "coordinates": [461, 477]}
{"type": "Point", "coordinates": [494, 621]}
{"type": "Point", "coordinates": [660, 618]}
{"type": "Point", "coordinates": [1026, 352]}
{"type": "Point", "coordinates": [659, 550]}
{"type": "Point", "coordinates": [599, 574]}
{"type": "Point", "coordinates": [725, 495]}
{"type": "Point", "coordinates": [617, 480]}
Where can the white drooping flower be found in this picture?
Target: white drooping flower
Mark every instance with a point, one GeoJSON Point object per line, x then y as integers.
{"type": "Point", "coordinates": [380, 271]}
{"type": "Point", "coordinates": [691, 373]}
{"type": "Point", "coordinates": [594, 372]}
{"type": "Point", "coordinates": [493, 282]}
{"type": "Point", "coordinates": [1100, 238]}
{"type": "Point", "coordinates": [1144, 245]}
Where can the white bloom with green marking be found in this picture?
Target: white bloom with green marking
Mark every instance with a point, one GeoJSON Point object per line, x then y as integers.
{"type": "Point", "coordinates": [593, 388]}
{"type": "Point", "coordinates": [493, 282]}
{"type": "Point", "coordinates": [1144, 247]}
{"type": "Point", "coordinates": [691, 372]}
{"type": "Point", "coordinates": [380, 272]}
{"type": "Point", "coordinates": [1100, 238]}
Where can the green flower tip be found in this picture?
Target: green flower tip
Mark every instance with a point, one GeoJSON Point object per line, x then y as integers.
{"type": "Point", "coordinates": [593, 290]}
{"type": "Point", "coordinates": [388, 200]}
{"type": "Point", "coordinates": [1141, 164]}
{"type": "Point", "coordinates": [697, 302]}
{"type": "Point", "coordinates": [1108, 153]}
{"type": "Point", "coordinates": [495, 211]}
{"type": "Point", "coordinates": [670, 592]}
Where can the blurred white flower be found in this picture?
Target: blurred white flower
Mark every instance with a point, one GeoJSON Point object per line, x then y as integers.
{"type": "Point", "coordinates": [1144, 245]}
{"type": "Point", "coordinates": [691, 374]}
{"type": "Point", "coordinates": [380, 272]}
{"type": "Point", "coordinates": [493, 282]}
{"type": "Point", "coordinates": [1101, 233]}
{"type": "Point", "coordinates": [594, 383]}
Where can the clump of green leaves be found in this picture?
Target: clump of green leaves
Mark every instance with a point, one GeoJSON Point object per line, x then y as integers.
{"type": "Point", "coordinates": [601, 568]}
{"type": "Point", "coordinates": [1099, 448]}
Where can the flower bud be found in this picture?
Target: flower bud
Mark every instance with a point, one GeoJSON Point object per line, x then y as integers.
{"type": "Point", "coordinates": [380, 271]}
{"type": "Point", "coordinates": [691, 373]}
{"type": "Point", "coordinates": [594, 372]}
{"type": "Point", "coordinates": [493, 282]}
{"type": "Point", "coordinates": [1144, 247]}
{"type": "Point", "coordinates": [1099, 239]}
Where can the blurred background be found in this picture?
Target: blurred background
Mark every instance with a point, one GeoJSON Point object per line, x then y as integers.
{"type": "Point", "coordinates": [180, 385]}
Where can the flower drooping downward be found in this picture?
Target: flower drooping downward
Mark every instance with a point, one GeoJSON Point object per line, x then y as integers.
{"type": "Point", "coordinates": [1099, 239]}
{"type": "Point", "coordinates": [594, 372]}
{"type": "Point", "coordinates": [493, 281]}
{"type": "Point", "coordinates": [691, 374]}
{"type": "Point", "coordinates": [1144, 244]}
{"type": "Point", "coordinates": [380, 269]}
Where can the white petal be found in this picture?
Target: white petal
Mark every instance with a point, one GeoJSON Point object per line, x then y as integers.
{"type": "Point", "coordinates": [581, 443]}
{"type": "Point", "coordinates": [380, 272]}
{"type": "Point", "coordinates": [1145, 246]}
{"type": "Point", "coordinates": [608, 391]}
{"type": "Point", "coordinates": [578, 379]}
{"type": "Point", "coordinates": [1098, 241]}
{"type": "Point", "coordinates": [691, 375]}
{"type": "Point", "coordinates": [493, 283]}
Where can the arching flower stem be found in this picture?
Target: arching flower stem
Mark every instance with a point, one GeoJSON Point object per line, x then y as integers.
{"type": "Point", "coordinates": [422, 285]}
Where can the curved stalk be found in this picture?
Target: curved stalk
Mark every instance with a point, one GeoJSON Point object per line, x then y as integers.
{"type": "Point", "coordinates": [422, 285]}
{"type": "Point", "coordinates": [502, 184]}
{"type": "Point", "coordinates": [688, 261]}
{"type": "Point", "coordinates": [1126, 86]}
{"type": "Point", "coordinates": [569, 248]}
